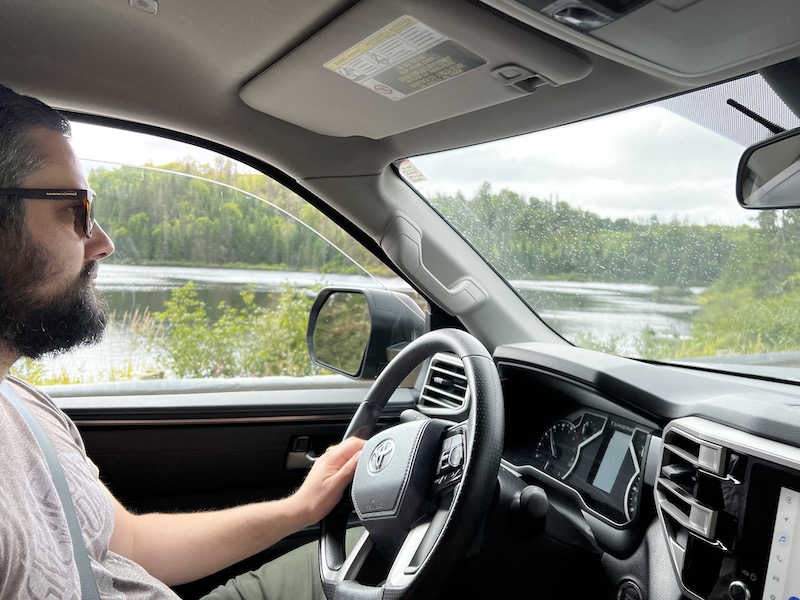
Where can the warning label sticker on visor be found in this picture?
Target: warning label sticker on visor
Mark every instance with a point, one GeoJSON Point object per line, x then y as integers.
{"type": "Point", "coordinates": [404, 58]}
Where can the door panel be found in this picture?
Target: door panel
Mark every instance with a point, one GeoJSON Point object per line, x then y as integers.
{"type": "Point", "coordinates": [179, 451]}
{"type": "Point", "coordinates": [181, 455]}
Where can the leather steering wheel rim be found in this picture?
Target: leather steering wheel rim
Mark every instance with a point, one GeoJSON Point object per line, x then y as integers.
{"type": "Point", "coordinates": [471, 498]}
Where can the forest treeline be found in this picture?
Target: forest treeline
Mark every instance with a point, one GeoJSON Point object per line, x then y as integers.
{"type": "Point", "coordinates": [190, 213]}
{"type": "Point", "coordinates": [160, 217]}
{"type": "Point", "coordinates": [532, 238]}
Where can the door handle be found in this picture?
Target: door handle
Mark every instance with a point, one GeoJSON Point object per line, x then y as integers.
{"type": "Point", "coordinates": [301, 456]}
{"type": "Point", "coordinates": [300, 460]}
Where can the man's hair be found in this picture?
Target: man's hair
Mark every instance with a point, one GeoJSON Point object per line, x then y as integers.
{"type": "Point", "coordinates": [20, 155]}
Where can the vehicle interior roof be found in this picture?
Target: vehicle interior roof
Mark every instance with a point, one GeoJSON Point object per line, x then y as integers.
{"type": "Point", "coordinates": [252, 76]}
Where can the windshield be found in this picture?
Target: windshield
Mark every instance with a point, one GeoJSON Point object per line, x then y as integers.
{"type": "Point", "coordinates": [624, 234]}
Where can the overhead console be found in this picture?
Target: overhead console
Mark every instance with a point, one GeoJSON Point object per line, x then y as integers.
{"type": "Point", "coordinates": [685, 39]}
{"type": "Point", "coordinates": [384, 68]}
{"type": "Point", "coordinates": [729, 504]}
{"type": "Point", "coordinates": [584, 15]}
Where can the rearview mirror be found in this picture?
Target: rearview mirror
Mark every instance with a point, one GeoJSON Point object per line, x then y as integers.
{"type": "Point", "coordinates": [356, 331]}
{"type": "Point", "coordinates": [769, 173]}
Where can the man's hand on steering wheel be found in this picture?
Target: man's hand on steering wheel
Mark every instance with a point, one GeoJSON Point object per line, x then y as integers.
{"type": "Point", "coordinates": [328, 479]}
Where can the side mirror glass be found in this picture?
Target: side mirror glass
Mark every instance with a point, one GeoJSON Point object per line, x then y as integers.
{"type": "Point", "coordinates": [769, 173]}
{"type": "Point", "coordinates": [339, 339]}
{"type": "Point", "coordinates": [357, 331]}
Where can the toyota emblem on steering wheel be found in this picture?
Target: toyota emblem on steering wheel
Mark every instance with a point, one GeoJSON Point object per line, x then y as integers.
{"type": "Point", "coordinates": [381, 456]}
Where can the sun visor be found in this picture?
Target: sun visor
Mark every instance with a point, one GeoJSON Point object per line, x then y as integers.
{"type": "Point", "coordinates": [379, 70]}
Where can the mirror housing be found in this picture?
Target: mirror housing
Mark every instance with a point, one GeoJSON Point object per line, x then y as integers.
{"type": "Point", "coordinates": [356, 332]}
{"type": "Point", "coordinates": [769, 173]}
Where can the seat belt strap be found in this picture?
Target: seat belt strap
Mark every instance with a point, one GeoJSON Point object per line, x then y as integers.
{"type": "Point", "coordinates": [89, 589]}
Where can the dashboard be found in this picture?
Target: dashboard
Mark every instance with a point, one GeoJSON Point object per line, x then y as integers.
{"type": "Point", "coordinates": [659, 469]}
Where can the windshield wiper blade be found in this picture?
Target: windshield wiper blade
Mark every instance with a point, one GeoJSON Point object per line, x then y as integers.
{"type": "Point", "coordinates": [773, 127]}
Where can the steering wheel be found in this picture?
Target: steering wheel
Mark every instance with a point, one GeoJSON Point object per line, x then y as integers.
{"type": "Point", "coordinates": [422, 488]}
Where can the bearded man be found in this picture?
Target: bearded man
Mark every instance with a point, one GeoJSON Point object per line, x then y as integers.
{"type": "Point", "coordinates": [50, 248]}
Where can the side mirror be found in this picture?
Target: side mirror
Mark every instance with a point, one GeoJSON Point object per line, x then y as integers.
{"type": "Point", "coordinates": [769, 173]}
{"type": "Point", "coordinates": [356, 331]}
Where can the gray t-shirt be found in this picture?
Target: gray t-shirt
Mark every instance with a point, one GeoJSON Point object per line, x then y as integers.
{"type": "Point", "coordinates": [36, 558]}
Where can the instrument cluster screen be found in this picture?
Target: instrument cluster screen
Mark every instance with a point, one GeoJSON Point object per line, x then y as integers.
{"type": "Point", "coordinates": [599, 456]}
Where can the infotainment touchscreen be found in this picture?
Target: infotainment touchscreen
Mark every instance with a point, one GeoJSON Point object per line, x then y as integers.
{"type": "Point", "coordinates": [782, 581]}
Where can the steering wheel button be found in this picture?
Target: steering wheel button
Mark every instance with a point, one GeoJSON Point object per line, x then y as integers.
{"type": "Point", "coordinates": [456, 457]}
{"type": "Point", "coordinates": [444, 460]}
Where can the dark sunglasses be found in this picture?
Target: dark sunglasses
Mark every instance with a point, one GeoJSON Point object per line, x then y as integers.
{"type": "Point", "coordinates": [84, 220]}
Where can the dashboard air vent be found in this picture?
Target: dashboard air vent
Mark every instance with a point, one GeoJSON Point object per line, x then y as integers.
{"type": "Point", "coordinates": [685, 461]}
{"type": "Point", "coordinates": [445, 389]}
{"type": "Point", "coordinates": [684, 457]}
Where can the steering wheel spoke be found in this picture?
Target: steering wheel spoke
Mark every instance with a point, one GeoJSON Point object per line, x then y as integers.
{"type": "Point", "coordinates": [351, 566]}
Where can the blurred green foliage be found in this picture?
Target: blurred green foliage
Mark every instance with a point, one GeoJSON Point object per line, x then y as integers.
{"type": "Point", "coordinates": [529, 238]}
{"type": "Point", "coordinates": [246, 341]}
{"type": "Point", "coordinates": [191, 213]}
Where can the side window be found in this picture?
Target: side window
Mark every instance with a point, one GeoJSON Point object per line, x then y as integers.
{"type": "Point", "coordinates": [215, 269]}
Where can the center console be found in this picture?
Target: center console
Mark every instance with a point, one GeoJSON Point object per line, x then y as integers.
{"type": "Point", "coordinates": [729, 504]}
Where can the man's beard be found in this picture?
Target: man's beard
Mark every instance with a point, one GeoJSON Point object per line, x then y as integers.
{"type": "Point", "coordinates": [35, 326]}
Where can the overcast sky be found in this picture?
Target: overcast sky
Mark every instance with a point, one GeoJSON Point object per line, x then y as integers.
{"type": "Point", "coordinates": [102, 144]}
{"type": "Point", "coordinates": [635, 164]}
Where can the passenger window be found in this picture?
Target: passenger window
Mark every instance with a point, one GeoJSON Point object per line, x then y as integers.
{"type": "Point", "coordinates": [215, 269]}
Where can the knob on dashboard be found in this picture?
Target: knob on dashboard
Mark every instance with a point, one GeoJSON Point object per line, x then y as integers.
{"type": "Point", "coordinates": [533, 502]}
{"type": "Point", "coordinates": [737, 590]}
{"type": "Point", "coordinates": [628, 590]}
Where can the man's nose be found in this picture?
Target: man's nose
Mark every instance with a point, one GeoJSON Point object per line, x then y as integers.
{"type": "Point", "coordinates": [99, 246]}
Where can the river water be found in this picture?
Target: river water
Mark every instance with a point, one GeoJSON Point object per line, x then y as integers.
{"type": "Point", "coordinates": [604, 311]}
{"type": "Point", "coordinates": [577, 310]}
